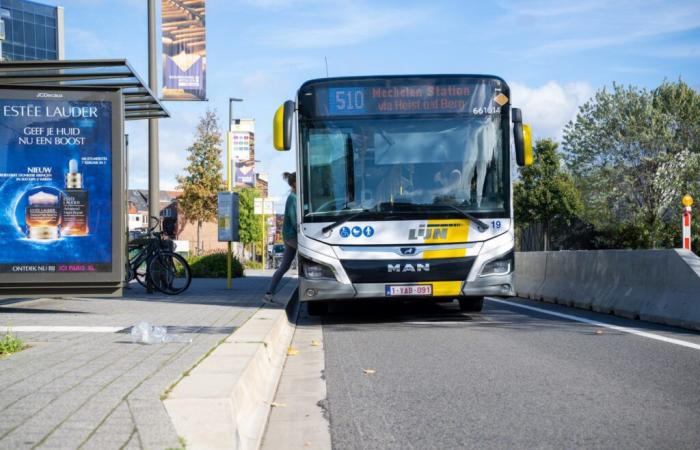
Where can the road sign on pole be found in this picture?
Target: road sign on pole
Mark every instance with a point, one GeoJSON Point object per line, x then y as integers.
{"type": "Point", "coordinates": [687, 203]}
{"type": "Point", "coordinates": [263, 206]}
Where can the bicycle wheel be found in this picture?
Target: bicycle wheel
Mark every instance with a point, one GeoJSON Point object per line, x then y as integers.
{"type": "Point", "coordinates": [137, 272]}
{"type": "Point", "coordinates": [169, 273]}
{"type": "Point", "coordinates": [140, 274]}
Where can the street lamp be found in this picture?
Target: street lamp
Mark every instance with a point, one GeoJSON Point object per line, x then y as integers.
{"type": "Point", "coordinates": [229, 184]}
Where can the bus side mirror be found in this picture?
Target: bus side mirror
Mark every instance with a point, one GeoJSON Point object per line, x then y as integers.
{"type": "Point", "coordinates": [522, 135]}
{"type": "Point", "coordinates": [282, 126]}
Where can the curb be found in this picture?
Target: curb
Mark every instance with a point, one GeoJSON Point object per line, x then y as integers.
{"type": "Point", "coordinates": [225, 401]}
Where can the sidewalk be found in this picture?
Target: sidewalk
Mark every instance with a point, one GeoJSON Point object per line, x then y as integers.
{"type": "Point", "coordinates": [96, 389]}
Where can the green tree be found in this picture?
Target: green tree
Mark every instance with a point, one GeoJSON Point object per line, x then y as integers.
{"type": "Point", "coordinates": [633, 154]}
{"type": "Point", "coordinates": [203, 177]}
{"type": "Point", "coordinates": [545, 194]}
{"type": "Point", "coordinates": [250, 228]}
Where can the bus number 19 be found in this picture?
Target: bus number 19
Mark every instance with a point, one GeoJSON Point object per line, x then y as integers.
{"type": "Point", "coordinates": [349, 100]}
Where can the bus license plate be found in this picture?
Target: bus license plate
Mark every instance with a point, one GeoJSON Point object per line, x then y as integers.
{"type": "Point", "coordinates": [409, 289]}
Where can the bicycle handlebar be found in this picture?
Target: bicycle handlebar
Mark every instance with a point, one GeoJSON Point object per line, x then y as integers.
{"type": "Point", "coordinates": [157, 223]}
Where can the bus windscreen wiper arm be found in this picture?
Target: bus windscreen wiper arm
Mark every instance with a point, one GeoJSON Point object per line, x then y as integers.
{"type": "Point", "coordinates": [342, 220]}
{"type": "Point", "coordinates": [480, 224]}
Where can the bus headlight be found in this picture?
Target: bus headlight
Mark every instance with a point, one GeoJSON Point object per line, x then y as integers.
{"type": "Point", "coordinates": [499, 266]}
{"type": "Point", "coordinates": [315, 271]}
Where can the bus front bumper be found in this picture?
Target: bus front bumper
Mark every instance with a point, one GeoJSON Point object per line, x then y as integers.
{"type": "Point", "coordinates": [329, 290]}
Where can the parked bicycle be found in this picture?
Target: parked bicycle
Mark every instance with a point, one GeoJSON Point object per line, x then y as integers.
{"type": "Point", "coordinates": [153, 261]}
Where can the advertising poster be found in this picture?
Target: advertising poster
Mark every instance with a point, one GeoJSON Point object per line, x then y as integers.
{"type": "Point", "coordinates": [56, 183]}
{"type": "Point", "coordinates": [184, 50]}
{"type": "Point", "coordinates": [227, 216]}
{"type": "Point", "coordinates": [245, 173]}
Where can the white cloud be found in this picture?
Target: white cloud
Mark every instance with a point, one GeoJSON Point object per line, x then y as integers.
{"type": "Point", "coordinates": [549, 107]}
{"type": "Point", "coordinates": [175, 134]}
{"type": "Point", "coordinates": [675, 51]}
{"type": "Point", "coordinates": [599, 24]}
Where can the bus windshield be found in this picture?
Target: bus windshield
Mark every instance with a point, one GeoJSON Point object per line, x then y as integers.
{"type": "Point", "coordinates": [425, 166]}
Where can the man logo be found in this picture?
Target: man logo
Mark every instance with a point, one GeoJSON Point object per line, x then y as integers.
{"type": "Point", "coordinates": [408, 268]}
{"type": "Point", "coordinates": [408, 251]}
{"type": "Point", "coordinates": [427, 232]}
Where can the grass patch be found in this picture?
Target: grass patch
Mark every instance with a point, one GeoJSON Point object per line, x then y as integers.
{"type": "Point", "coordinates": [10, 344]}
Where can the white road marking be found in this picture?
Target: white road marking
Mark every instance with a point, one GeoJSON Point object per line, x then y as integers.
{"type": "Point", "coordinates": [602, 324]}
{"type": "Point", "coordinates": [62, 329]}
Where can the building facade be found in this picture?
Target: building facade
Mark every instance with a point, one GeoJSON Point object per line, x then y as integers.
{"type": "Point", "coordinates": [174, 224]}
{"type": "Point", "coordinates": [32, 31]}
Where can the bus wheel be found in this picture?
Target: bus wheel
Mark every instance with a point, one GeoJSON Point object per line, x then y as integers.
{"type": "Point", "coordinates": [317, 308]}
{"type": "Point", "coordinates": [471, 304]}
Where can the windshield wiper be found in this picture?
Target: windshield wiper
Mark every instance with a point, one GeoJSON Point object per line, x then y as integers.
{"type": "Point", "coordinates": [482, 226]}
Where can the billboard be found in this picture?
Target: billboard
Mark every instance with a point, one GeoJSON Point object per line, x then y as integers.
{"type": "Point", "coordinates": [184, 50]}
{"type": "Point", "coordinates": [241, 144]}
{"type": "Point", "coordinates": [245, 173]}
{"type": "Point", "coordinates": [60, 185]}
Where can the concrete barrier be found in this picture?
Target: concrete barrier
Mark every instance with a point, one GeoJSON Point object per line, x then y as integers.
{"type": "Point", "coordinates": [224, 401]}
{"type": "Point", "coordinates": [530, 270]}
{"type": "Point", "coordinates": [661, 286]}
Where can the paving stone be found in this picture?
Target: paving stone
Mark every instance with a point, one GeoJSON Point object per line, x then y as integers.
{"type": "Point", "coordinates": [113, 431]}
{"type": "Point", "coordinates": [100, 390]}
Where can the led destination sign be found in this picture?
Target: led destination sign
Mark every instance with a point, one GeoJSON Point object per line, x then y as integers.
{"type": "Point", "coordinates": [413, 96]}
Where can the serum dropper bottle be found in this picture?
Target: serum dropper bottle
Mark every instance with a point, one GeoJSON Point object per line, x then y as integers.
{"type": "Point", "coordinates": [75, 203]}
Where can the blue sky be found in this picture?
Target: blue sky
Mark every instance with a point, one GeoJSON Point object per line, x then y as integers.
{"type": "Point", "coordinates": [555, 54]}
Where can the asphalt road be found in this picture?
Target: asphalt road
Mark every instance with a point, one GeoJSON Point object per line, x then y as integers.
{"type": "Point", "coordinates": [506, 378]}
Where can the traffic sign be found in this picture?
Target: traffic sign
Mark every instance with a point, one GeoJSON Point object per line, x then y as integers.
{"type": "Point", "coordinates": [263, 206]}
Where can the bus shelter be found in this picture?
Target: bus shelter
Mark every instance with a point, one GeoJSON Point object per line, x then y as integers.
{"type": "Point", "coordinates": [63, 174]}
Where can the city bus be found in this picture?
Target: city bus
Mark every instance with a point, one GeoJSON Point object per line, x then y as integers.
{"type": "Point", "coordinates": [404, 187]}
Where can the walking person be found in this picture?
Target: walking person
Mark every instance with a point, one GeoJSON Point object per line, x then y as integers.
{"type": "Point", "coordinates": [289, 235]}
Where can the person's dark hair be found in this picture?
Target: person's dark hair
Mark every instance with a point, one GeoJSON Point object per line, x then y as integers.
{"type": "Point", "coordinates": [290, 178]}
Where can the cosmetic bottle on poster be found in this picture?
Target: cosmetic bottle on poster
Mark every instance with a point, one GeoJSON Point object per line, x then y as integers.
{"type": "Point", "coordinates": [75, 203]}
{"type": "Point", "coordinates": [42, 216]}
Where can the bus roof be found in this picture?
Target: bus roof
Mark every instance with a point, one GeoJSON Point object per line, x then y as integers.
{"type": "Point", "coordinates": [333, 80]}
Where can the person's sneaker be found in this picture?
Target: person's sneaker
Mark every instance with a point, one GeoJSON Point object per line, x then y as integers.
{"type": "Point", "coordinates": [269, 299]}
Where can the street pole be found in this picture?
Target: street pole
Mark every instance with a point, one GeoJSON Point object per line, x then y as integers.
{"type": "Point", "coordinates": [264, 237]}
{"type": "Point", "coordinates": [687, 203]}
{"type": "Point", "coordinates": [153, 170]}
{"type": "Point", "coordinates": [229, 186]}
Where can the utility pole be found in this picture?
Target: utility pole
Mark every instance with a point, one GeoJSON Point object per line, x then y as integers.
{"type": "Point", "coordinates": [153, 169]}
{"type": "Point", "coordinates": [229, 185]}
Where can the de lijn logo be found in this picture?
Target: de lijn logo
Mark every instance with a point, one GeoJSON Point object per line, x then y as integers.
{"type": "Point", "coordinates": [356, 231]}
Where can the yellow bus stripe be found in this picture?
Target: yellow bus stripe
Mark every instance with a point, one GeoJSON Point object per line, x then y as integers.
{"type": "Point", "coordinates": [443, 288]}
{"type": "Point", "coordinates": [447, 253]}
